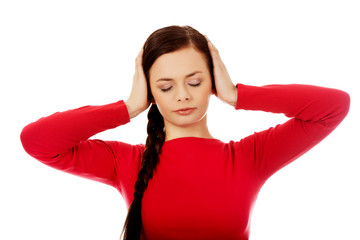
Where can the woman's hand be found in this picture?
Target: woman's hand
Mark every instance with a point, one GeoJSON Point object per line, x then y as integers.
{"type": "Point", "coordinates": [138, 99]}
{"type": "Point", "coordinates": [225, 89]}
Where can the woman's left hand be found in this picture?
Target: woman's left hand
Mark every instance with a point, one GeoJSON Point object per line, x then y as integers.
{"type": "Point", "coordinates": [225, 89]}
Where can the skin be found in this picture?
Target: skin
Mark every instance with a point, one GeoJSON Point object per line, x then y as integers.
{"type": "Point", "coordinates": [179, 80]}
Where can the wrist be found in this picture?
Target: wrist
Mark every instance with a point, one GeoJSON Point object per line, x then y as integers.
{"type": "Point", "coordinates": [133, 111]}
{"type": "Point", "coordinates": [232, 97]}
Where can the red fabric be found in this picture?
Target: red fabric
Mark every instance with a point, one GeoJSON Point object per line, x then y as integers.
{"type": "Point", "coordinates": [202, 188]}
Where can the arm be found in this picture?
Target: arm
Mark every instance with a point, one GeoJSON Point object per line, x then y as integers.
{"type": "Point", "coordinates": [314, 111]}
{"type": "Point", "coordinates": [61, 141]}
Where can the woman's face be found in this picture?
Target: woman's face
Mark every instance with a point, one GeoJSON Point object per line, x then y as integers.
{"type": "Point", "coordinates": [181, 85]}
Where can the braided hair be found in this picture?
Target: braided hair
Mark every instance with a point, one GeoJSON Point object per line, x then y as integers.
{"type": "Point", "coordinates": [154, 142]}
{"type": "Point", "coordinates": [162, 41]}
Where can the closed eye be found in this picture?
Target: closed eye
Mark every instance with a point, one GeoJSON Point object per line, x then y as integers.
{"type": "Point", "coordinates": [166, 89]}
{"type": "Point", "coordinates": [195, 84]}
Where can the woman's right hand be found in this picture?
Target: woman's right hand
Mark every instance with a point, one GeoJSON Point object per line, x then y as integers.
{"type": "Point", "coordinates": [138, 99]}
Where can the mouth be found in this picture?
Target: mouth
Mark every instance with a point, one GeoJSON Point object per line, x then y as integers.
{"type": "Point", "coordinates": [185, 111]}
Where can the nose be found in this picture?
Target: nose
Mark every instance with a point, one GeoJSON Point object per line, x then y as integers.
{"type": "Point", "coordinates": [182, 94]}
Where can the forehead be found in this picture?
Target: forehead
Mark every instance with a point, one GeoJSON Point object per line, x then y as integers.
{"type": "Point", "coordinates": [178, 64]}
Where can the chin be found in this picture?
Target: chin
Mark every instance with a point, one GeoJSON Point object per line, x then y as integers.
{"type": "Point", "coordinates": [187, 121]}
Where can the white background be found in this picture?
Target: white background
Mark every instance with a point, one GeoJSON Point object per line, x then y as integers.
{"type": "Point", "coordinates": [59, 55]}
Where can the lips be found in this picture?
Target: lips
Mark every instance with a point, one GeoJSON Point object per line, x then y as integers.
{"type": "Point", "coordinates": [185, 111]}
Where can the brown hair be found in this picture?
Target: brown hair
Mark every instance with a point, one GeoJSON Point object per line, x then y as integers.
{"type": "Point", "coordinates": [164, 40]}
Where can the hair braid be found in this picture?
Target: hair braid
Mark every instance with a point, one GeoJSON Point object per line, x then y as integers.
{"type": "Point", "coordinates": [154, 142]}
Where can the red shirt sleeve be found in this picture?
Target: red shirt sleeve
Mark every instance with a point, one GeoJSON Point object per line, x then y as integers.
{"type": "Point", "coordinates": [314, 112]}
{"type": "Point", "coordinates": [62, 141]}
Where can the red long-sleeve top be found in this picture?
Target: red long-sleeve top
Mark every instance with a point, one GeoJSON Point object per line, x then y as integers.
{"type": "Point", "coordinates": [201, 188]}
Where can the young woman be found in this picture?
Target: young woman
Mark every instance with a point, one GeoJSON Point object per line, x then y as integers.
{"type": "Point", "coordinates": [183, 183]}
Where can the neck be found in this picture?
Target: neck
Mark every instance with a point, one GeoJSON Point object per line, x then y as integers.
{"type": "Point", "coordinates": [198, 129]}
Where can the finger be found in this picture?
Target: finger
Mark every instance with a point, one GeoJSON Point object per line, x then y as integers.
{"type": "Point", "coordinates": [138, 62]}
{"type": "Point", "coordinates": [141, 52]}
{"type": "Point", "coordinates": [138, 59]}
{"type": "Point", "coordinates": [207, 38]}
{"type": "Point", "coordinates": [213, 50]}
{"type": "Point", "coordinates": [210, 44]}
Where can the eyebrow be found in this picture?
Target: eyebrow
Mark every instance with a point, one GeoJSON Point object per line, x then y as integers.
{"type": "Point", "coordinates": [187, 76]}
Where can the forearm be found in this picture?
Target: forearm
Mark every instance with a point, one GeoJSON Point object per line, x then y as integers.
{"type": "Point", "coordinates": [309, 103]}
{"type": "Point", "coordinates": [60, 131]}
{"type": "Point", "coordinates": [314, 111]}
{"type": "Point", "coordinates": [132, 110]}
{"type": "Point", "coordinates": [232, 96]}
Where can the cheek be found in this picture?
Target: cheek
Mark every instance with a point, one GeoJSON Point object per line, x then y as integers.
{"type": "Point", "coordinates": [161, 103]}
{"type": "Point", "coordinates": [206, 93]}
{"type": "Point", "coordinates": [158, 98]}
{"type": "Point", "coordinates": [205, 100]}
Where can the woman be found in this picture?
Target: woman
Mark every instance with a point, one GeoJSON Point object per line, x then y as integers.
{"type": "Point", "coordinates": [184, 184]}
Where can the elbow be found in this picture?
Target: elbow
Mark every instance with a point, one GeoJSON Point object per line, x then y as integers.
{"type": "Point", "coordinates": [339, 104]}
{"type": "Point", "coordinates": [343, 104]}
{"type": "Point", "coordinates": [29, 141]}
{"type": "Point", "coordinates": [25, 139]}
{"type": "Point", "coordinates": [336, 105]}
